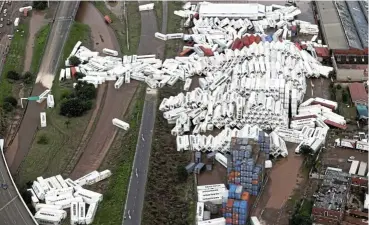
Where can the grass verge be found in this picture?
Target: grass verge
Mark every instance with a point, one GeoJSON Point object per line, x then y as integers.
{"type": "Point", "coordinates": [159, 13]}
{"type": "Point", "coordinates": [172, 47]}
{"type": "Point", "coordinates": [38, 47]}
{"type": "Point", "coordinates": [119, 160]}
{"type": "Point", "coordinates": [14, 59]}
{"type": "Point", "coordinates": [119, 25]}
{"type": "Point", "coordinates": [50, 157]}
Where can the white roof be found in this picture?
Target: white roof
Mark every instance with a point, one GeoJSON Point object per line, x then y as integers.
{"type": "Point", "coordinates": [229, 10]}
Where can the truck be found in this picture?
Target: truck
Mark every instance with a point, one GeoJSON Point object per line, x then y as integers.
{"type": "Point", "coordinates": [352, 144]}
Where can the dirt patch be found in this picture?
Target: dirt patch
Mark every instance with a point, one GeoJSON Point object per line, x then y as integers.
{"type": "Point", "coordinates": [216, 176]}
{"type": "Point", "coordinates": [36, 22]}
{"type": "Point", "coordinates": [115, 103]}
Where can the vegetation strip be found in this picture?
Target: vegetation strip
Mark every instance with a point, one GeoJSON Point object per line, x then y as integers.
{"type": "Point", "coordinates": [119, 160]}
{"type": "Point", "coordinates": [120, 26]}
{"type": "Point", "coordinates": [54, 145]}
{"type": "Point", "coordinates": [168, 188]}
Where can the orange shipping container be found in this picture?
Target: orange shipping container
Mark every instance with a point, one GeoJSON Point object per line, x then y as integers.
{"type": "Point", "coordinates": [230, 203]}
{"type": "Point", "coordinates": [255, 182]}
{"type": "Point", "coordinates": [245, 196]}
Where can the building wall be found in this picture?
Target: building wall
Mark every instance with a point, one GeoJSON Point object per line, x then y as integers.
{"type": "Point", "coordinates": [326, 217]}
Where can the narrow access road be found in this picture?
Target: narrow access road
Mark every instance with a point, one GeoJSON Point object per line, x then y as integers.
{"type": "Point", "coordinates": [64, 18]}
{"type": "Point", "coordinates": [137, 185]}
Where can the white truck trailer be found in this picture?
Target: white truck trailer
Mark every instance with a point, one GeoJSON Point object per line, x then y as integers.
{"type": "Point", "coordinates": [354, 166]}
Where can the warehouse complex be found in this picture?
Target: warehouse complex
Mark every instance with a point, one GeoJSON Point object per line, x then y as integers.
{"type": "Point", "coordinates": [344, 28]}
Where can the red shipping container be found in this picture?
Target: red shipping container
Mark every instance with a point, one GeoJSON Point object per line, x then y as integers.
{"type": "Point", "coordinates": [207, 51]}
{"type": "Point", "coordinates": [252, 39]}
{"type": "Point", "coordinates": [246, 41]}
{"type": "Point", "coordinates": [73, 71]}
{"type": "Point", "coordinates": [228, 221]}
{"type": "Point", "coordinates": [334, 124]}
{"type": "Point", "coordinates": [230, 203]}
{"type": "Point", "coordinates": [25, 12]}
{"type": "Point", "coordinates": [186, 52]}
{"type": "Point", "coordinates": [257, 39]}
{"type": "Point", "coordinates": [237, 44]}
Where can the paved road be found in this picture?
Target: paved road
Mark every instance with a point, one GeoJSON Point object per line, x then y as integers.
{"type": "Point", "coordinates": [59, 33]}
{"type": "Point", "coordinates": [136, 190]}
{"type": "Point", "coordinates": [12, 210]}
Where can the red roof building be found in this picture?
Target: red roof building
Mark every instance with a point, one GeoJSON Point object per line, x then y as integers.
{"type": "Point", "coordinates": [358, 93]}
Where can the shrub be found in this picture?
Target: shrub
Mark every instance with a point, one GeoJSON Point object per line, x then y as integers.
{"type": "Point", "coordinates": [345, 96]}
{"type": "Point", "coordinates": [11, 100]}
{"type": "Point", "coordinates": [74, 61]}
{"type": "Point", "coordinates": [8, 107]}
{"type": "Point", "coordinates": [66, 94]}
{"type": "Point", "coordinates": [43, 140]}
{"type": "Point", "coordinates": [182, 173]}
{"type": "Point", "coordinates": [79, 75]}
{"type": "Point", "coordinates": [27, 77]}
{"type": "Point", "coordinates": [40, 5]}
{"type": "Point", "coordinates": [13, 75]}
{"type": "Point", "coordinates": [73, 107]}
{"type": "Point", "coordinates": [339, 87]}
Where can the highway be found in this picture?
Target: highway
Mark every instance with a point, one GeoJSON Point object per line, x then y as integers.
{"type": "Point", "coordinates": [12, 210]}
{"type": "Point", "coordinates": [64, 18]}
{"type": "Point", "coordinates": [137, 185]}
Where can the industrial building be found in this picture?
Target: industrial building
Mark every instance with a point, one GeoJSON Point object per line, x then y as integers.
{"type": "Point", "coordinates": [329, 205]}
{"type": "Point", "coordinates": [359, 97]}
{"type": "Point", "coordinates": [344, 28]}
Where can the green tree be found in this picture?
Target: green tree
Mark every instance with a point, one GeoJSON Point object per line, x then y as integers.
{"type": "Point", "coordinates": [10, 99]}
{"type": "Point", "coordinates": [79, 75]}
{"type": "Point", "coordinates": [85, 90]}
{"type": "Point", "coordinates": [27, 197]}
{"type": "Point", "coordinates": [40, 5]}
{"type": "Point", "coordinates": [73, 107]}
{"type": "Point", "coordinates": [300, 219]}
{"type": "Point", "coordinates": [27, 77]}
{"type": "Point", "coordinates": [13, 75]}
{"type": "Point", "coordinates": [306, 150]}
{"type": "Point", "coordinates": [74, 61]}
{"type": "Point", "coordinates": [339, 87]}
{"type": "Point", "coordinates": [66, 93]}
{"type": "Point", "coordinates": [182, 174]}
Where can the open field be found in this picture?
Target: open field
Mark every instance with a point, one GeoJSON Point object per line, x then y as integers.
{"type": "Point", "coordinates": [52, 157]}
{"type": "Point", "coordinates": [119, 25]}
{"type": "Point", "coordinates": [14, 60]}
{"type": "Point", "coordinates": [119, 160]}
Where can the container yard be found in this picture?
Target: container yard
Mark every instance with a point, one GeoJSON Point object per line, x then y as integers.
{"type": "Point", "coordinates": [52, 196]}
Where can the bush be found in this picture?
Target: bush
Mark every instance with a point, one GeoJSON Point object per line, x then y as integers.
{"type": "Point", "coordinates": [27, 77]}
{"type": "Point", "coordinates": [182, 173]}
{"type": "Point", "coordinates": [74, 61]}
{"type": "Point", "coordinates": [27, 197]}
{"type": "Point", "coordinates": [10, 99]}
{"type": "Point", "coordinates": [43, 140]}
{"type": "Point", "coordinates": [13, 75]}
{"type": "Point", "coordinates": [79, 75]}
{"type": "Point", "coordinates": [345, 97]}
{"type": "Point", "coordinates": [40, 5]}
{"type": "Point", "coordinates": [339, 87]}
{"type": "Point", "coordinates": [73, 107]}
{"type": "Point", "coordinates": [8, 107]}
{"type": "Point", "coordinates": [66, 94]}
{"type": "Point", "coordinates": [85, 90]}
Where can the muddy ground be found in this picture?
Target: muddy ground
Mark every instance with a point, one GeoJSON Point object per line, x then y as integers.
{"type": "Point", "coordinates": [115, 102]}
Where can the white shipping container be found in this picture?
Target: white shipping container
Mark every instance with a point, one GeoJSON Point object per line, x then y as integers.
{"type": "Point", "coordinates": [110, 52]}
{"type": "Point", "coordinates": [91, 212]}
{"type": "Point", "coordinates": [16, 22]}
{"type": "Point", "coordinates": [38, 190]}
{"type": "Point", "coordinates": [362, 169]}
{"type": "Point", "coordinates": [81, 213]}
{"type": "Point", "coordinates": [74, 213]}
{"type": "Point", "coordinates": [43, 96]}
{"type": "Point", "coordinates": [146, 7]}
{"type": "Point", "coordinates": [50, 101]}
{"type": "Point", "coordinates": [200, 211]}
{"type": "Point", "coordinates": [56, 212]}
{"type": "Point", "coordinates": [121, 124]}
{"type": "Point", "coordinates": [46, 206]}
{"type": "Point", "coordinates": [61, 181]}
{"type": "Point", "coordinates": [354, 167]}
{"type": "Point", "coordinates": [62, 74]}
{"type": "Point", "coordinates": [82, 180]}
{"type": "Point", "coordinates": [43, 219]}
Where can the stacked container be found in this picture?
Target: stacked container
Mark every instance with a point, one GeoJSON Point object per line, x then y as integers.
{"type": "Point", "coordinates": [236, 212]}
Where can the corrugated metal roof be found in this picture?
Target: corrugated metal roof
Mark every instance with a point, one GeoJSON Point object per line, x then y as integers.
{"type": "Point", "coordinates": [361, 24]}
{"type": "Point", "coordinates": [347, 22]}
{"type": "Point", "coordinates": [358, 93]}
{"type": "Point", "coordinates": [331, 25]}
{"type": "Point", "coordinates": [364, 8]}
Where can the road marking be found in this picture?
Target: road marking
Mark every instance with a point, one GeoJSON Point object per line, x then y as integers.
{"type": "Point", "coordinates": [8, 203]}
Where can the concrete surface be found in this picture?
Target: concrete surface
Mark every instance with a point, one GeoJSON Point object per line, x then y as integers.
{"type": "Point", "coordinates": [59, 33]}
{"type": "Point", "coordinates": [136, 189]}
{"type": "Point", "coordinates": [12, 210]}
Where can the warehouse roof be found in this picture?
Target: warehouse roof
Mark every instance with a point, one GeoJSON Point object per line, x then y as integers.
{"type": "Point", "coordinates": [331, 25]}
{"type": "Point", "coordinates": [358, 93]}
{"type": "Point", "coordinates": [351, 74]}
{"type": "Point", "coordinates": [332, 193]}
{"type": "Point", "coordinates": [361, 24]}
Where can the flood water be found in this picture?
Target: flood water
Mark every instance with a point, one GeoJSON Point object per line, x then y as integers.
{"type": "Point", "coordinates": [37, 21]}
{"type": "Point", "coordinates": [102, 35]}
